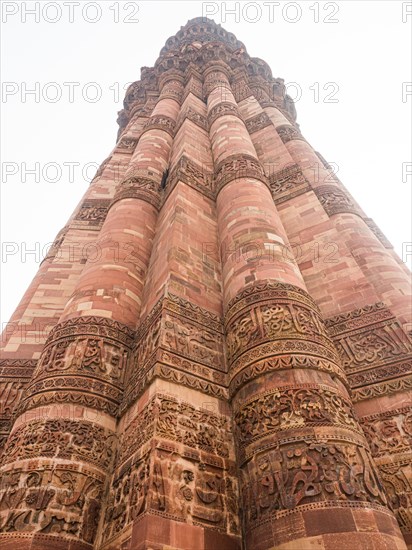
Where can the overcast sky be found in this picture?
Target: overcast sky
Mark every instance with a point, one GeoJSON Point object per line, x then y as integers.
{"type": "Point", "coordinates": [347, 63]}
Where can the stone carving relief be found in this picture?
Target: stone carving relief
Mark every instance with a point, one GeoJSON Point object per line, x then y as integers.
{"type": "Point", "coordinates": [396, 477]}
{"type": "Point", "coordinates": [222, 109]}
{"type": "Point", "coordinates": [287, 133]}
{"type": "Point", "coordinates": [92, 214]}
{"type": "Point", "coordinates": [373, 349]}
{"type": "Point", "coordinates": [193, 116]}
{"type": "Point", "coordinates": [139, 187]}
{"type": "Point", "coordinates": [288, 183]}
{"type": "Point", "coordinates": [168, 418]}
{"type": "Point", "coordinates": [236, 167]}
{"type": "Point", "coordinates": [51, 499]}
{"type": "Point", "coordinates": [62, 439]}
{"type": "Point", "coordinates": [179, 342]}
{"type": "Point", "coordinates": [160, 122]}
{"type": "Point", "coordinates": [290, 408]}
{"type": "Point", "coordinates": [389, 432]}
{"type": "Point", "coordinates": [258, 122]}
{"type": "Point", "coordinates": [15, 375]}
{"type": "Point", "coordinates": [198, 177]}
{"type": "Point", "coordinates": [127, 144]}
{"type": "Point", "coordinates": [269, 321]}
{"type": "Point", "coordinates": [299, 473]}
{"type": "Point", "coordinates": [180, 487]}
{"type": "Point", "coordinates": [86, 353]}
{"type": "Point", "coordinates": [335, 200]}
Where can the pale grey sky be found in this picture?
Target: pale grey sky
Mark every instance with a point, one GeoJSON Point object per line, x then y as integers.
{"type": "Point", "coordinates": [355, 52]}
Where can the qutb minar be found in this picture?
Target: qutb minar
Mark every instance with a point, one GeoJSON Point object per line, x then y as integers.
{"type": "Point", "coordinates": [203, 385]}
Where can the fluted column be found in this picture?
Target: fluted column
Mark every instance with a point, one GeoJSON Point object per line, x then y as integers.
{"type": "Point", "coordinates": [348, 268]}
{"type": "Point", "coordinates": [307, 478]}
{"type": "Point", "coordinates": [63, 443]}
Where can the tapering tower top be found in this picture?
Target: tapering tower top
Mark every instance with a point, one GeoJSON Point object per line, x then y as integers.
{"type": "Point", "coordinates": [195, 47]}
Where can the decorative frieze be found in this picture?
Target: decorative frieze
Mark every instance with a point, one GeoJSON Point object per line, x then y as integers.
{"type": "Point", "coordinates": [139, 187]}
{"type": "Point", "coordinates": [91, 215]}
{"type": "Point", "coordinates": [15, 374]}
{"type": "Point", "coordinates": [258, 122]}
{"type": "Point", "coordinates": [336, 201]}
{"type": "Point", "coordinates": [74, 440]}
{"type": "Point", "coordinates": [160, 122]}
{"type": "Point", "coordinates": [286, 408]}
{"type": "Point", "coordinates": [311, 471]}
{"type": "Point", "coordinates": [270, 319]}
{"type": "Point", "coordinates": [222, 109]}
{"type": "Point", "coordinates": [126, 145]}
{"type": "Point", "coordinates": [389, 434]}
{"type": "Point", "coordinates": [191, 174]}
{"type": "Point", "coordinates": [51, 499]}
{"type": "Point", "coordinates": [288, 183]}
{"type": "Point", "coordinates": [373, 348]}
{"type": "Point", "coordinates": [166, 417]}
{"type": "Point", "coordinates": [236, 167]}
{"type": "Point", "coordinates": [180, 342]}
{"type": "Point", "coordinates": [375, 351]}
{"type": "Point", "coordinates": [194, 116]}
{"type": "Point", "coordinates": [88, 353]}
{"type": "Point", "coordinates": [287, 133]}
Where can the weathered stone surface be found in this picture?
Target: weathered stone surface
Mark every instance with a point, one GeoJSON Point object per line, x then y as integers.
{"type": "Point", "coordinates": [226, 362]}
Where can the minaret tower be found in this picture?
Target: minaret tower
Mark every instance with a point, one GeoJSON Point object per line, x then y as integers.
{"type": "Point", "coordinates": [228, 365]}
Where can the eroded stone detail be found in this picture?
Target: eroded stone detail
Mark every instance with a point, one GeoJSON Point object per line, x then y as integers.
{"type": "Point", "coordinates": [336, 201]}
{"type": "Point", "coordinates": [258, 122]}
{"type": "Point", "coordinates": [92, 214]}
{"type": "Point", "coordinates": [287, 133]}
{"type": "Point", "coordinates": [198, 177]}
{"type": "Point", "coordinates": [51, 499]}
{"type": "Point", "coordinates": [142, 188]}
{"type": "Point", "coordinates": [237, 167]}
{"type": "Point", "coordinates": [288, 183]}
{"type": "Point", "coordinates": [62, 439]}
{"type": "Point", "coordinates": [297, 473]}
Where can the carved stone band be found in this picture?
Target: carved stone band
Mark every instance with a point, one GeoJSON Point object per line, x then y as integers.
{"type": "Point", "coordinates": [288, 183]}
{"type": "Point", "coordinates": [236, 167]}
{"type": "Point", "coordinates": [287, 133]}
{"type": "Point", "coordinates": [198, 177]}
{"type": "Point", "coordinates": [141, 188]}
{"type": "Point", "coordinates": [193, 116]}
{"type": "Point", "coordinates": [336, 201]}
{"type": "Point", "coordinates": [258, 122]}
{"type": "Point", "coordinates": [160, 122]}
{"type": "Point", "coordinates": [75, 440]}
{"type": "Point", "coordinates": [223, 109]}
{"type": "Point", "coordinates": [48, 497]}
{"type": "Point", "coordinates": [269, 323]}
{"type": "Point", "coordinates": [86, 354]}
{"type": "Point", "coordinates": [311, 471]}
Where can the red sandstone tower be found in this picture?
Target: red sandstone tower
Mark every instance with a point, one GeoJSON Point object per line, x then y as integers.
{"type": "Point", "coordinates": [203, 387]}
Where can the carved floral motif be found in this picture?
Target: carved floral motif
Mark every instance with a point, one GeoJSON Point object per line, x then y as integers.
{"type": "Point", "coordinates": [68, 439]}
{"type": "Point", "coordinates": [287, 408]}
